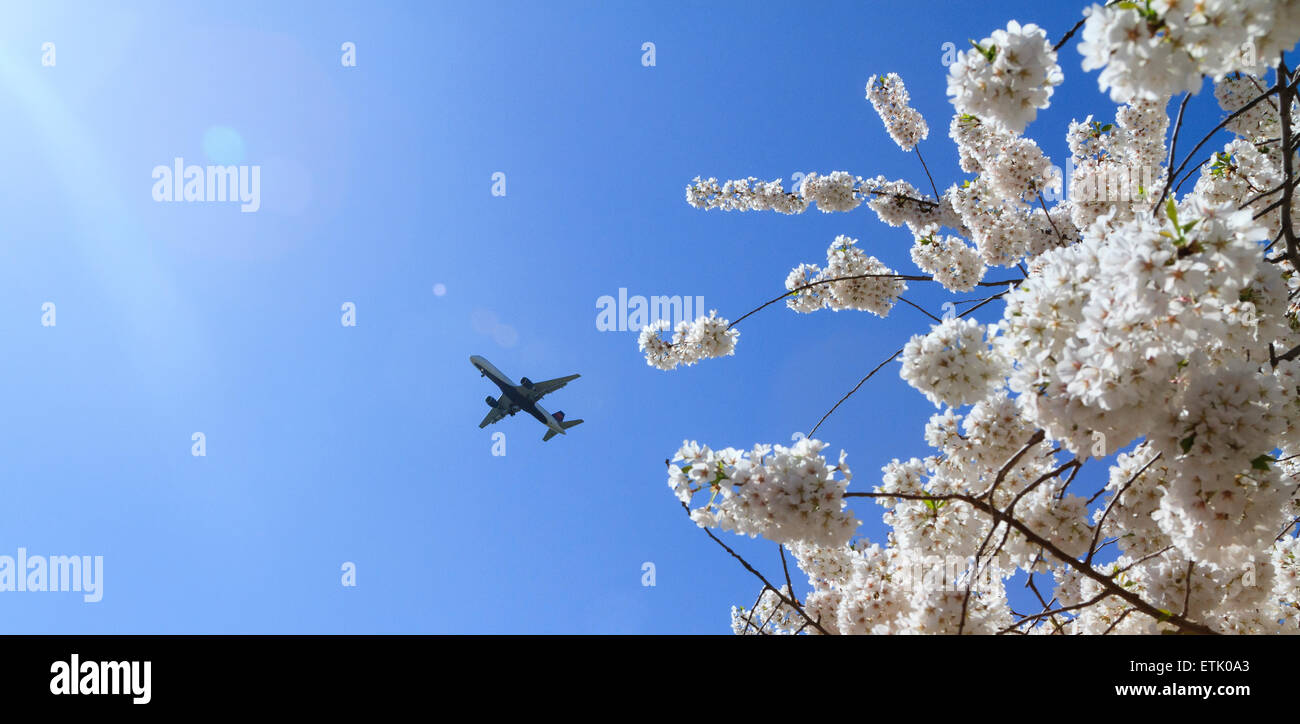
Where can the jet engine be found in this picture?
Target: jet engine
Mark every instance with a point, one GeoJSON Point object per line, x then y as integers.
{"type": "Point", "coordinates": [491, 401]}
{"type": "Point", "coordinates": [526, 382]}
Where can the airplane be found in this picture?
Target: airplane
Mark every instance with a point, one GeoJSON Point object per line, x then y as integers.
{"type": "Point", "coordinates": [524, 397]}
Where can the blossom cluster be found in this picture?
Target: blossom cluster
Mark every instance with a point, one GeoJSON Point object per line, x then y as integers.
{"type": "Point", "coordinates": [1007, 77]}
{"type": "Point", "coordinates": [709, 336]}
{"type": "Point", "coordinates": [1146, 330]}
{"type": "Point", "coordinates": [1151, 341]}
{"type": "Point", "coordinates": [1118, 166]}
{"type": "Point", "coordinates": [953, 364]}
{"type": "Point", "coordinates": [953, 262]}
{"type": "Point", "coordinates": [869, 589]}
{"type": "Point", "coordinates": [850, 280]}
{"type": "Point", "coordinates": [1156, 49]}
{"type": "Point", "coordinates": [904, 123]}
{"type": "Point", "coordinates": [895, 202]}
{"type": "Point", "coordinates": [784, 494]}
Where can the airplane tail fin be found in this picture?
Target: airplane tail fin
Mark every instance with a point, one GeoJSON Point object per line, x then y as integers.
{"type": "Point", "coordinates": [564, 424]}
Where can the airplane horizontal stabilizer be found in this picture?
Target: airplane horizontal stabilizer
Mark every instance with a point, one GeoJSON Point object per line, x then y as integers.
{"type": "Point", "coordinates": [566, 424]}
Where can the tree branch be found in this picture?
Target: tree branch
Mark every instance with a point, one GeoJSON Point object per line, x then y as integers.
{"type": "Point", "coordinates": [1107, 583]}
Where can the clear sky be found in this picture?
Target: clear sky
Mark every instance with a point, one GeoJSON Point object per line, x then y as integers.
{"type": "Point", "coordinates": [327, 443]}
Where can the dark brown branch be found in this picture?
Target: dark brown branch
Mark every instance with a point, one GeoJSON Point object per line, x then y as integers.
{"type": "Point", "coordinates": [1036, 438]}
{"type": "Point", "coordinates": [1070, 34]}
{"type": "Point", "coordinates": [1096, 532]}
{"type": "Point", "coordinates": [1051, 223]}
{"type": "Point", "coordinates": [1044, 478]}
{"type": "Point", "coordinates": [780, 547]}
{"type": "Point", "coordinates": [749, 619]}
{"type": "Point", "coordinates": [1284, 91]}
{"type": "Point", "coordinates": [1106, 582]}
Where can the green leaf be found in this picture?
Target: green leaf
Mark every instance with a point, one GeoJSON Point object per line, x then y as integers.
{"type": "Point", "coordinates": [1261, 462]}
{"type": "Point", "coordinates": [1187, 442]}
{"type": "Point", "coordinates": [989, 53]}
{"type": "Point", "coordinates": [1171, 210]}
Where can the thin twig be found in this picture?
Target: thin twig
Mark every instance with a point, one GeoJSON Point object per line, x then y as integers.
{"type": "Point", "coordinates": [1173, 144]}
{"type": "Point", "coordinates": [1070, 34]}
{"type": "Point", "coordinates": [861, 382]}
{"type": "Point", "coordinates": [1096, 532]}
{"type": "Point", "coordinates": [792, 604]}
{"type": "Point", "coordinates": [1231, 117]}
{"type": "Point", "coordinates": [918, 308]}
{"type": "Point", "coordinates": [921, 158]}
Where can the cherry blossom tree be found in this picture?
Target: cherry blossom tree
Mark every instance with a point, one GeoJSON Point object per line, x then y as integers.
{"type": "Point", "coordinates": [1147, 330]}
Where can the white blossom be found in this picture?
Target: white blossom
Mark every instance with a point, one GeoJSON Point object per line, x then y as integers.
{"type": "Point", "coordinates": [953, 364]}
{"type": "Point", "coordinates": [1007, 77]}
{"type": "Point", "coordinates": [904, 123]}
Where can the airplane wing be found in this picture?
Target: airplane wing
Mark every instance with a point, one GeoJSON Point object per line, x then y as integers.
{"type": "Point", "coordinates": [494, 416]}
{"type": "Point", "coordinates": [541, 389]}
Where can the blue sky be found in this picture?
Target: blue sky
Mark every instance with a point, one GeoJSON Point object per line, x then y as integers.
{"type": "Point", "coordinates": [328, 443]}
